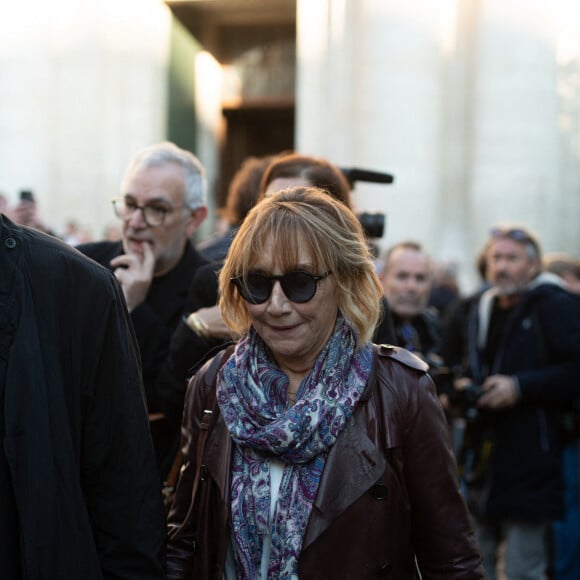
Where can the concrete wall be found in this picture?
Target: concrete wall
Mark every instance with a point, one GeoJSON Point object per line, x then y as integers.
{"type": "Point", "coordinates": [82, 87]}
{"type": "Point", "coordinates": [463, 101]}
{"type": "Point", "coordinates": [474, 106]}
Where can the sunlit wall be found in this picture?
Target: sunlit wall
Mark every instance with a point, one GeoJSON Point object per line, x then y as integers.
{"type": "Point", "coordinates": [472, 104]}
{"type": "Point", "coordinates": [82, 86]}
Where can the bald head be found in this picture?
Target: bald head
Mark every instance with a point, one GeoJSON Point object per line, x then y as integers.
{"type": "Point", "coordinates": [407, 277]}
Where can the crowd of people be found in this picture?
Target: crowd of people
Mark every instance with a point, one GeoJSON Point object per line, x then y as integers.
{"type": "Point", "coordinates": [26, 212]}
{"type": "Point", "coordinates": [304, 409]}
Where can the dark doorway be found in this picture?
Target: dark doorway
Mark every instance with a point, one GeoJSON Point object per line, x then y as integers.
{"type": "Point", "coordinates": [254, 42]}
{"type": "Point", "coordinates": [254, 130]}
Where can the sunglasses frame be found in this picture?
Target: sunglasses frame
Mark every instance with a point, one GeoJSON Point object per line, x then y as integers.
{"type": "Point", "coordinates": [243, 289]}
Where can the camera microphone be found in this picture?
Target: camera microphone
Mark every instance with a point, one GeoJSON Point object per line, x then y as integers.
{"type": "Point", "coordinates": [354, 174]}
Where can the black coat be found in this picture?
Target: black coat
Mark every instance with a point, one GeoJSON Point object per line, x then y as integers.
{"type": "Point", "coordinates": [79, 493]}
{"type": "Point", "coordinates": [155, 321]}
{"type": "Point", "coordinates": [187, 349]}
{"type": "Point", "coordinates": [540, 346]}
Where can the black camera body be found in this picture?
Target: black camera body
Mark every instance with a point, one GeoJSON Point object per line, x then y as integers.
{"type": "Point", "coordinates": [463, 400]}
{"type": "Point", "coordinates": [466, 399]}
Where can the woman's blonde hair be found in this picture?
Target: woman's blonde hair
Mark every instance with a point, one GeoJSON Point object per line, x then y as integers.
{"type": "Point", "coordinates": [336, 241]}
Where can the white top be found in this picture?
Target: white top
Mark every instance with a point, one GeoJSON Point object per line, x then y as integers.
{"type": "Point", "coordinates": [276, 472]}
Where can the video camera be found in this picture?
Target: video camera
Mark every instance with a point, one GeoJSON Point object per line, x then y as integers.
{"type": "Point", "coordinates": [373, 223]}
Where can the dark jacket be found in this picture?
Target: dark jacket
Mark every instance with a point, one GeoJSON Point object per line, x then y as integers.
{"type": "Point", "coordinates": [425, 336]}
{"type": "Point", "coordinates": [540, 346]}
{"type": "Point", "coordinates": [155, 321]}
{"type": "Point", "coordinates": [187, 349]}
{"type": "Point", "coordinates": [79, 493]}
{"type": "Point", "coordinates": [388, 491]}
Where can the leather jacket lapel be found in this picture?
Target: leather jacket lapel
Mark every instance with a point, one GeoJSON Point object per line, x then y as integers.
{"type": "Point", "coordinates": [354, 456]}
{"type": "Point", "coordinates": [353, 466]}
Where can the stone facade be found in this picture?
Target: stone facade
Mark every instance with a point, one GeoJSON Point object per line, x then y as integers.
{"type": "Point", "coordinates": [473, 106]}
{"type": "Point", "coordinates": [83, 86]}
{"type": "Point", "coordinates": [468, 104]}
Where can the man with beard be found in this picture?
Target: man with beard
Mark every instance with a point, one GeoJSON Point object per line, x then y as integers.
{"type": "Point", "coordinates": [162, 204]}
{"type": "Point", "coordinates": [523, 350]}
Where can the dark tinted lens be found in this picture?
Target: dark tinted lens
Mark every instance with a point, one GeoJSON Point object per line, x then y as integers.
{"type": "Point", "coordinates": [298, 286]}
{"type": "Point", "coordinates": [258, 289]}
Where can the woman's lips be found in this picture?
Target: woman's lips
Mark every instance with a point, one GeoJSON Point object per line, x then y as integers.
{"type": "Point", "coordinates": [284, 329]}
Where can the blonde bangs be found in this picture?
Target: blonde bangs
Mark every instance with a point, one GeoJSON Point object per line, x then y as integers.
{"type": "Point", "coordinates": [330, 233]}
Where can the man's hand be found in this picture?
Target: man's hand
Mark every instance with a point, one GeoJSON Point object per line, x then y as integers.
{"type": "Point", "coordinates": [212, 316]}
{"type": "Point", "coordinates": [500, 392]}
{"type": "Point", "coordinates": [135, 275]}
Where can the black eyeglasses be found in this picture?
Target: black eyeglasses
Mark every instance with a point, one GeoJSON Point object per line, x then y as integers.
{"type": "Point", "coordinates": [299, 286]}
{"type": "Point", "coordinates": [153, 215]}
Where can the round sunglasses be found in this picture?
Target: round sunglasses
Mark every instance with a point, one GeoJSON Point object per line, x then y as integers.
{"type": "Point", "coordinates": [298, 286]}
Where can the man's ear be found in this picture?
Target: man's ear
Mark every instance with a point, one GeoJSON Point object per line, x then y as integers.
{"type": "Point", "coordinates": [195, 220]}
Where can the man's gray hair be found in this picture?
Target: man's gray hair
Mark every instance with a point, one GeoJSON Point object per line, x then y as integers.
{"type": "Point", "coordinates": [195, 194]}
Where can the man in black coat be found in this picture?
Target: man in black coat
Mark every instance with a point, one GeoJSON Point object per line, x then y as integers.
{"type": "Point", "coordinates": [162, 204]}
{"type": "Point", "coordinates": [407, 278]}
{"type": "Point", "coordinates": [523, 350]}
{"type": "Point", "coordinates": [79, 492]}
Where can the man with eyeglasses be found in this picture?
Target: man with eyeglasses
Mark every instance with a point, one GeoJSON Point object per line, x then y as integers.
{"type": "Point", "coordinates": [523, 354]}
{"type": "Point", "coordinates": [162, 204]}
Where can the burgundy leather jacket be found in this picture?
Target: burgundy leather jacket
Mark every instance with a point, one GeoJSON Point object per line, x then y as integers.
{"type": "Point", "coordinates": [388, 493]}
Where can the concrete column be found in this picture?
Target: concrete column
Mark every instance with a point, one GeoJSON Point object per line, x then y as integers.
{"type": "Point", "coordinates": [515, 165]}
{"type": "Point", "coordinates": [466, 103]}
{"type": "Point", "coordinates": [369, 95]}
{"type": "Point", "coordinates": [83, 87]}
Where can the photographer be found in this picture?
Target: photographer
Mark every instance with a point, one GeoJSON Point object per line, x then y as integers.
{"type": "Point", "coordinates": [523, 350]}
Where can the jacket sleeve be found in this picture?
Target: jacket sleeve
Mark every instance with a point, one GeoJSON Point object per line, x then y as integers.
{"type": "Point", "coordinates": [153, 337]}
{"type": "Point", "coordinates": [443, 539]}
{"type": "Point", "coordinates": [557, 343]}
{"type": "Point", "coordinates": [187, 352]}
{"type": "Point", "coordinates": [181, 543]}
{"type": "Point", "coordinates": [119, 477]}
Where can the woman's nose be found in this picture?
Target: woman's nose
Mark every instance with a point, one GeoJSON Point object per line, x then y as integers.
{"type": "Point", "coordinates": [278, 300]}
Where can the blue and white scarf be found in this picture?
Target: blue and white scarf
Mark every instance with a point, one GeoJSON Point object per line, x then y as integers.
{"type": "Point", "coordinates": [252, 393]}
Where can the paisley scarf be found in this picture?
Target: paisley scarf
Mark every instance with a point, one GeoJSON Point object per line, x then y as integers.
{"type": "Point", "coordinates": [252, 393]}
